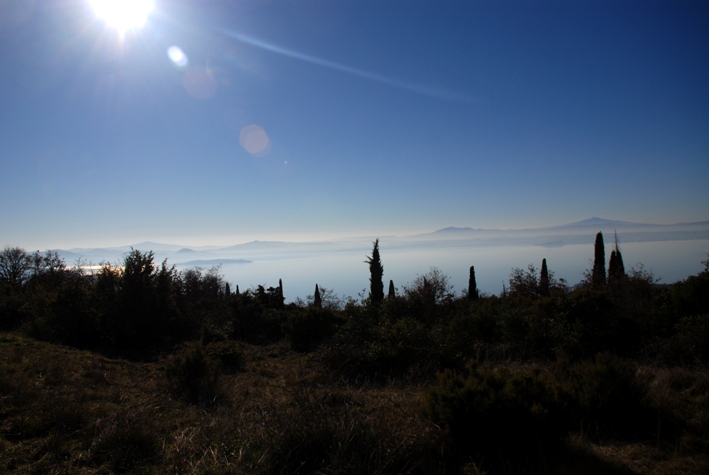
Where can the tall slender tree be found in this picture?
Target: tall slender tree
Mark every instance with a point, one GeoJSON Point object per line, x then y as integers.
{"type": "Point", "coordinates": [544, 279]}
{"type": "Point", "coordinates": [472, 285]}
{"type": "Point", "coordinates": [317, 300]}
{"type": "Point", "coordinates": [376, 272]}
{"type": "Point", "coordinates": [392, 290]}
{"type": "Point", "coordinates": [598, 275]}
{"type": "Point", "coordinates": [616, 269]}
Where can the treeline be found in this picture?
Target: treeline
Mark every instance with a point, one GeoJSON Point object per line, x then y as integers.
{"type": "Point", "coordinates": [141, 309]}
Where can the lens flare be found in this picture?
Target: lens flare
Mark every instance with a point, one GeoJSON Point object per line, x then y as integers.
{"type": "Point", "coordinates": [122, 14]}
{"type": "Point", "coordinates": [255, 140]}
{"type": "Point", "coordinates": [177, 56]}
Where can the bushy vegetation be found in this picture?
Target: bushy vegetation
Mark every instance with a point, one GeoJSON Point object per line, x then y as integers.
{"type": "Point", "coordinates": [420, 382]}
{"type": "Point", "coordinates": [194, 375]}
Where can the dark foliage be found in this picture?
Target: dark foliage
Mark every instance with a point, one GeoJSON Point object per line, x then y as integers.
{"type": "Point", "coordinates": [616, 268]}
{"type": "Point", "coordinates": [516, 417]}
{"type": "Point", "coordinates": [502, 416]}
{"type": "Point", "coordinates": [544, 284]}
{"type": "Point", "coordinates": [473, 293]}
{"type": "Point", "coordinates": [317, 300]}
{"type": "Point", "coordinates": [598, 275]}
{"type": "Point", "coordinates": [193, 375]}
{"type": "Point", "coordinates": [376, 273]}
{"type": "Point", "coordinates": [307, 328]}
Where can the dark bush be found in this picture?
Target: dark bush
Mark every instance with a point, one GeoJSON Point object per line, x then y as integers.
{"type": "Point", "coordinates": [193, 375]}
{"type": "Point", "coordinates": [691, 296]}
{"type": "Point", "coordinates": [11, 303]}
{"type": "Point", "coordinates": [307, 328]}
{"type": "Point", "coordinates": [499, 414]}
{"type": "Point", "coordinates": [228, 353]}
{"type": "Point", "coordinates": [609, 399]}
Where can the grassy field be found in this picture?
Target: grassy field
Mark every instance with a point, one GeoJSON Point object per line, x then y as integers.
{"type": "Point", "coordinates": [275, 410]}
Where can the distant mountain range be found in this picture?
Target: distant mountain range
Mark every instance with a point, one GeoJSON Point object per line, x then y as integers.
{"type": "Point", "coordinates": [573, 233]}
{"type": "Point", "coordinates": [599, 223]}
{"type": "Point", "coordinates": [581, 232]}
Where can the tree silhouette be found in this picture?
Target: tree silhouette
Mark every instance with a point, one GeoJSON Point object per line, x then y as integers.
{"type": "Point", "coordinates": [317, 300]}
{"type": "Point", "coordinates": [392, 290]}
{"type": "Point", "coordinates": [616, 269]}
{"type": "Point", "coordinates": [433, 288]}
{"type": "Point", "coordinates": [376, 272]}
{"type": "Point", "coordinates": [598, 275]}
{"type": "Point", "coordinates": [15, 265]}
{"type": "Point", "coordinates": [472, 285]}
{"type": "Point", "coordinates": [544, 279]}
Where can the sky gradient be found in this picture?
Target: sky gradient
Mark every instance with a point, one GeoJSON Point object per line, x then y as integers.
{"type": "Point", "coordinates": [315, 119]}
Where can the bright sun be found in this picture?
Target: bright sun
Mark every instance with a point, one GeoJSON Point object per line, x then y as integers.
{"type": "Point", "coordinates": [122, 14]}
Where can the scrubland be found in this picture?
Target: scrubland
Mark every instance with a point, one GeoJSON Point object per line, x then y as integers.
{"type": "Point", "coordinates": [142, 369]}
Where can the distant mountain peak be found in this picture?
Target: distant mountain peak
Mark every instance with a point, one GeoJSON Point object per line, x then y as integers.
{"type": "Point", "coordinates": [450, 229]}
{"type": "Point", "coordinates": [596, 221]}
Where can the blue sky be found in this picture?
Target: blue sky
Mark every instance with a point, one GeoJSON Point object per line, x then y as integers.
{"type": "Point", "coordinates": [362, 118]}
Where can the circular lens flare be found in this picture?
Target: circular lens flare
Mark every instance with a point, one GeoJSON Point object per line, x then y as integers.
{"type": "Point", "coordinates": [123, 14]}
{"type": "Point", "coordinates": [177, 56]}
{"type": "Point", "coordinates": [255, 140]}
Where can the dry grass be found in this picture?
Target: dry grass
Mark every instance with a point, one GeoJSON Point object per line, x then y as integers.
{"type": "Point", "coordinates": [75, 412]}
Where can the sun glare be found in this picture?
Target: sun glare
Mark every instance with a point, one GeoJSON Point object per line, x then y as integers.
{"type": "Point", "coordinates": [122, 14]}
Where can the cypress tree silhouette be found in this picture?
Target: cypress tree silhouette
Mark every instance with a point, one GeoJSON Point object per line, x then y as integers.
{"type": "Point", "coordinates": [280, 292]}
{"type": "Point", "coordinates": [544, 279]}
{"type": "Point", "coordinates": [616, 269]}
{"type": "Point", "coordinates": [227, 289]}
{"type": "Point", "coordinates": [472, 285]}
{"type": "Point", "coordinates": [376, 272]}
{"type": "Point", "coordinates": [317, 300]}
{"type": "Point", "coordinates": [237, 290]}
{"type": "Point", "coordinates": [392, 290]}
{"type": "Point", "coordinates": [598, 275]}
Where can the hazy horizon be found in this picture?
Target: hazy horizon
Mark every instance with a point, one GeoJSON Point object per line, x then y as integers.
{"type": "Point", "coordinates": [670, 254]}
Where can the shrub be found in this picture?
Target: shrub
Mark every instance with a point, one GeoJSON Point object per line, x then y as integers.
{"type": "Point", "coordinates": [494, 414]}
{"type": "Point", "coordinates": [609, 398]}
{"type": "Point", "coordinates": [307, 328]}
{"type": "Point", "coordinates": [692, 339]}
{"type": "Point", "coordinates": [193, 375]}
{"type": "Point", "coordinates": [228, 353]}
{"type": "Point", "coordinates": [11, 303]}
{"type": "Point", "coordinates": [381, 352]}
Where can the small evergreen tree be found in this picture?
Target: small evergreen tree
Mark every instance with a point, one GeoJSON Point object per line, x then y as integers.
{"type": "Point", "coordinates": [392, 290]}
{"type": "Point", "coordinates": [472, 285]}
{"type": "Point", "coordinates": [317, 300]}
{"type": "Point", "coordinates": [544, 279]}
{"type": "Point", "coordinates": [227, 290]}
{"type": "Point", "coordinates": [376, 272]}
{"type": "Point", "coordinates": [598, 275]}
